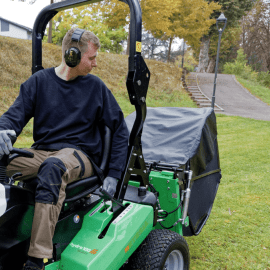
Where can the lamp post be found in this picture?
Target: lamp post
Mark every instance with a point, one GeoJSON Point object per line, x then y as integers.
{"type": "Point", "coordinates": [221, 24]}
{"type": "Point", "coordinates": [183, 53]}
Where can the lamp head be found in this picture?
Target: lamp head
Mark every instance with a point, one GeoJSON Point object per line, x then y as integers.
{"type": "Point", "coordinates": [221, 22]}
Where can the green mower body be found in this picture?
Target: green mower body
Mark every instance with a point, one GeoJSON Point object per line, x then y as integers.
{"type": "Point", "coordinates": [89, 249]}
{"type": "Point", "coordinates": [106, 241]}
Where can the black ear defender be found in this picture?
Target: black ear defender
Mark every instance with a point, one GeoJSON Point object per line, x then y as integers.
{"type": "Point", "coordinates": [73, 55]}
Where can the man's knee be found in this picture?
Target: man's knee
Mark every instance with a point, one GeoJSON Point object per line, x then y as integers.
{"type": "Point", "coordinates": [50, 179]}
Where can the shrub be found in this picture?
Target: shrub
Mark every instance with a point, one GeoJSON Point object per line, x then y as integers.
{"type": "Point", "coordinates": [240, 67]}
{"type": "Point", "coordinates": [264, 78]}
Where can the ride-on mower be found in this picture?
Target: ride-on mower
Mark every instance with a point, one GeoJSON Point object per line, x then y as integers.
{"type": "Point", "coordinates": [166, 191]}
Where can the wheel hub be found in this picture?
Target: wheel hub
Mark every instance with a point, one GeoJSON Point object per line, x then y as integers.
{"type": "Point", "coordinates": [175, 261]}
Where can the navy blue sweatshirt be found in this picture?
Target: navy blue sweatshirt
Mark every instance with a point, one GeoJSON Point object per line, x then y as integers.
{"type": "Point", "coordinates": [70, 112]}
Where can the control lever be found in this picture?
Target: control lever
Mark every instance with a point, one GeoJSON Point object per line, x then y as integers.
{"type": "Point", "coordinates": [12, 138]}
{"type": "Point", "coordinates": [15, 152]}
{"type": "Point", "coordinates": [21, 153]}
{"type": "Point", "coordinates": [107, 196]}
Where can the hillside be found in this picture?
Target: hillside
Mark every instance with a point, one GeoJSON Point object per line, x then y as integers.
{"type": "Point", "coordinates": [16, 63]}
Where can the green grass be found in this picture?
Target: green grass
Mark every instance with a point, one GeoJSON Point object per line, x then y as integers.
{"type": "Point", "coordinates": [236, 235]}
{"type": "Point", "coordinates": [261, 92]}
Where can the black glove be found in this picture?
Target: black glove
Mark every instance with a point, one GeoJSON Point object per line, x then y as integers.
{"type": "Point", "coordinates": [110, 184]}
{"type": "Point", "coordinates": [5, 142]}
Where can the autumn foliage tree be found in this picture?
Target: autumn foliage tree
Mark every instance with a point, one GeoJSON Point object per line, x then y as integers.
{"type": "Point", "coordinates": [155, 14]}
{"type": "Point", "coordinates": [88, 18]}
{"type": "Point", "coordinates": [191, 20]}
{"type": "Point", "coordinates": [166, 19]}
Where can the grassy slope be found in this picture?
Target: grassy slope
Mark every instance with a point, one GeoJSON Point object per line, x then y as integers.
{"type": "Point", "coordinates": [236, 235]}
{"type": "Point", "coordinates": [259, 91]}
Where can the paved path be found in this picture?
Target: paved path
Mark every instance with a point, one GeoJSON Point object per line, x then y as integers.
{"type": "Point", "coordinates": [232, 97]}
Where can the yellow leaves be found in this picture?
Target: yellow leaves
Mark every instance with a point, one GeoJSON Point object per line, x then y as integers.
{"type": "Point", "coordinates": [166, 18]}
{"type": "Point", "coordinates": [114, 12]}
{"type": "Point", "coordinates": [191, 20]}
{"type": "Point", "coordinates": [156, 16]}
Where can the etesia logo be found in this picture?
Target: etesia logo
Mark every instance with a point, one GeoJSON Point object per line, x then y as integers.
{"type": "Point", "coordinates": [85, 249]}
{"type": "Point", "coordinates": [76, 218]}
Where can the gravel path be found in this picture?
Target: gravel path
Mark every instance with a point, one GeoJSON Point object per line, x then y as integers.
{"type": "Point", "coordinates": [232, 97]}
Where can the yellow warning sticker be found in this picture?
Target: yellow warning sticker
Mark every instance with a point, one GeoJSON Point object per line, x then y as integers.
{"type": "Point", "coordinates": [138, 46]}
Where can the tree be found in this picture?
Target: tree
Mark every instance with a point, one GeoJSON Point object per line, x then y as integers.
{"type": "Point", "coordinates": [230, 44]}
{"type": "Point", "coordinates": [166, 19]}
{"type": "Point", "coordinates": [191, 20]}
{"type": "Point", "coordinates": [233, 11]}
{"type": "Point", "coordinates": [256, 36]}
{"type": "Point", "coordinates": [190, 61]}
{"type": "Point", "coordinates": [154, 48]}
{"type": "Point", "coordinates": [88, 18]}
{"type": "Point", "coordinates": [155, 15]}
{"type": "Point", "coordinates": [50, 23]}
{"type": "Point", "coordinates": [50, 29]}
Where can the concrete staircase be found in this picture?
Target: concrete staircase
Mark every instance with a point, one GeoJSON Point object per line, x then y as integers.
{"type": "Point", "coordinates": [193, 89]}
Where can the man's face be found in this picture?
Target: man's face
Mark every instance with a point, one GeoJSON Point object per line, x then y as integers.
{"type": "Point", "coordinates": [88, 60]}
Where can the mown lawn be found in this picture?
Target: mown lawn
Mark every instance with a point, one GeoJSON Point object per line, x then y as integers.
{"type": "Point", "coordinates": [259, 91]}
{"type": "Point", "coordinates": [236, 235]}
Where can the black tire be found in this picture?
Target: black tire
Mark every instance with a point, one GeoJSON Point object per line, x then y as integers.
{"type": "Point", "coordinates": [155, 250]}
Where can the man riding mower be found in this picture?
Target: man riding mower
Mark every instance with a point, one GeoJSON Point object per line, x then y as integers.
{"type": "Point", "coordinates": [168, 171]}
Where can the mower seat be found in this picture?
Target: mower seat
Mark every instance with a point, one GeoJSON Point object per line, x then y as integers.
{"type": "Point", "coordinates": [83, 187]}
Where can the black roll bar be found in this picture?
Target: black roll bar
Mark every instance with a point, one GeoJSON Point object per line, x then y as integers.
{"type": "Point", "coordinates": [47, 13]}
{"type": "Point", "coordinates": [137, 81]}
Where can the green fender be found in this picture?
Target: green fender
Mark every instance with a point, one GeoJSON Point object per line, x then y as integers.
{"type": "Point", "coordinates": [126, 232]}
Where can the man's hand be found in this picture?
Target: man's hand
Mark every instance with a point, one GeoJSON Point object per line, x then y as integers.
{"type": "Point", "coordinates": [5, 142]}
{"type": "Point", "coordinates": [110, 184]}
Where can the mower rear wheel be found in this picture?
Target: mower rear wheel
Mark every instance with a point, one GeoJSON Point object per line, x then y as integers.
{"type": "Point", "coordinates": [161, 250]}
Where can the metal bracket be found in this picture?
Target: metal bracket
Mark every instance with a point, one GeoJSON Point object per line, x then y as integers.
{"type": "Point", "coordinates": [186, 195]}
{"type": "Point", "coordinates": [138, 81]}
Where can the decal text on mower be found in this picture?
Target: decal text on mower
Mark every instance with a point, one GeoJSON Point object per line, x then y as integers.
{"type": "Point", "coordinates": [136, 236]}
{"type": "Point", "coordinates": [84, 250]}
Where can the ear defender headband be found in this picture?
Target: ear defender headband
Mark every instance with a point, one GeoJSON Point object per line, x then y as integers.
{"type": "Point", "coordinates": [73, 55]}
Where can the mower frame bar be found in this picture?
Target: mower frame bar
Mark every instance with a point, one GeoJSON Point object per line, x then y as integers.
{"type": "Point", "coordinates": [47, 13]}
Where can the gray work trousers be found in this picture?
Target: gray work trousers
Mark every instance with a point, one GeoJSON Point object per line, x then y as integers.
{"type": "Point", "coordinates": [55, 169]}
